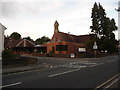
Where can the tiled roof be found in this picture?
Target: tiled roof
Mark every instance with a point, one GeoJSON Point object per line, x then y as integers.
{"type": "Point", "coordinates": [71, 38]}
{"type": "Point", "coordinates": [11, 42]}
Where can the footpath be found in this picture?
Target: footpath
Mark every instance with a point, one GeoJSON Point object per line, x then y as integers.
{"type": "Point", "coordinates": [8, 70]}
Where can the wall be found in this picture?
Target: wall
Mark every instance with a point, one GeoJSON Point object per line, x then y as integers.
{"type": "Point", "coordinates": [2, 28]}
{"type": "Point", "coordinates": [72, 47]}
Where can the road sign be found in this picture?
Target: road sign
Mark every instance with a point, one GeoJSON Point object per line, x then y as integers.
{"type": "Point", "coordinates": [72, 55]}
{"type": "Point", "coordinates": [82, 49]}
{"type": "Point", "coordinates": [95, 45]}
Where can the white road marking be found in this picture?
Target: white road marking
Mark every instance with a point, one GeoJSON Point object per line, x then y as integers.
{"type": "Point", "coordinates": [10, 85]}
{"type": "Point", "coordinates": [112, 83]}
{"type": "Point", "coordinates": [107, 81]}
{"type": "Point", "coordinates": [111, 61]}
{"type": "Point", "coordinates": [93, 65]}
{"type": "Point", "coordinates": [100, 63]}
{"type": "Point", "coordinates": [55, 66]}
{"type": "Point", "coordinates": [96, 64]}
{"type": "Point", "coordinates": [63, 73]}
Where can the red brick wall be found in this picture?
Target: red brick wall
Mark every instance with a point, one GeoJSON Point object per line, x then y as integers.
{"type": "Point", "coordinates": [72, 47]}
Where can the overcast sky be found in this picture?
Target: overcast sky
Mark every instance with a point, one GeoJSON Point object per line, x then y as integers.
{"type": "Point", "coordinates": [35, 18]}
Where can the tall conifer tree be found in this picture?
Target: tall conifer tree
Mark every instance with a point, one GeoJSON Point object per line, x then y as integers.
{"type": "Point", "coordinates": [95, 21]}
{"type": "Point", "coordinates": [104, 27]}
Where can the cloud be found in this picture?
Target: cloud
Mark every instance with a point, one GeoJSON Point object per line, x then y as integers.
{"type": "Point", "coordinates": [36, 18]}
{"type": "Point", "coordinates": [16, 9]}
{"type": "Point", "coordinates": [9, 9]}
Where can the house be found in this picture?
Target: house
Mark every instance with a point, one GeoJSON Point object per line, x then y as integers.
{"type": "Point", "coordinates": [19, 45]}
{"type": "Point", "coordinates": [23, 46]}
{"type": "Point", "coordinates": [66, 43]}
{"type": "Point", "coordinates": [2, 29]}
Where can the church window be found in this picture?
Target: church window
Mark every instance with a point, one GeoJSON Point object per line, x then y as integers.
{"type": "Point", "coordinates": [61, 47]}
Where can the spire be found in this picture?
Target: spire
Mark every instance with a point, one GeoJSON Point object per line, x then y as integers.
{"type": "Point", "coordinates": [56, 26]}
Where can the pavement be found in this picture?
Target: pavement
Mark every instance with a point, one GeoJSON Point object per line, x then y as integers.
{"type": "Point", "coordinates": [21, 69]}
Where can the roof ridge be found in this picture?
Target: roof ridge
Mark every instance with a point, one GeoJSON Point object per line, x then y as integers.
{"type": "Point", "coordinates": [75, 35]}
{"type": "Point", "coordinates": [72, 37]}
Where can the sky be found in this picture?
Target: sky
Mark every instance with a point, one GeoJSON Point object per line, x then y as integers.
{"type": "Point", "coordinates": [36, 18]}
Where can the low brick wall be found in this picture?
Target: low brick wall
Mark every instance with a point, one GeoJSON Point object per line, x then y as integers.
{"type": "Point", "coordinates": [81, 55]}
{"type": "Point", "coordinates": [60, 55]}
{"type": "Point", "coordinates": [22, 61]}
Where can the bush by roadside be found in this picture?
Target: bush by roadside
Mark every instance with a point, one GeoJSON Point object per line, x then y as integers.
{"type": "Point", "coordinates": [7, 54]}
{"type": "Point", "coordinates": [13, 60]}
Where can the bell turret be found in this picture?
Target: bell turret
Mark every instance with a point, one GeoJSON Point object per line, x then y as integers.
{"type": "Point", "coordinates": [56, 26]}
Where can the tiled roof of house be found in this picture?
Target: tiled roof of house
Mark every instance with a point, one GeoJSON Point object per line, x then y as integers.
{"type": "Point", "coordinates": [11, 42]}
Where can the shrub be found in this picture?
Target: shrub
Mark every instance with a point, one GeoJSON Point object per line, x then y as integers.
{"type": "Point", "coordinates": [7, 54]}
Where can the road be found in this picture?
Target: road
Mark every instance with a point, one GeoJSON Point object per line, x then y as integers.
{"type": "Point", "coordinates": [65, 73]}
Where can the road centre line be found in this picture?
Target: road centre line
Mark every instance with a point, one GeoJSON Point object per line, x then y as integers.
{"type": "Point", "coordinates": [93, 65]}
{"type": "Point", "coordinates": [63, 73]}
{"type": "Point", "coordinates": [10, 85]}
{"type": "Point", "coordinates": [111, 61]}
{"type": "Point", "coordinates": [96, 65]}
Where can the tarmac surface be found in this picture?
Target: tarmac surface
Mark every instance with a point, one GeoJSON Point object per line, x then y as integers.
{"type": "Point", "coordinates": [50, 70]}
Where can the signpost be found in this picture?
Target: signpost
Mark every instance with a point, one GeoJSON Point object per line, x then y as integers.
{"type": "Point", "coordinates": [95, 47]}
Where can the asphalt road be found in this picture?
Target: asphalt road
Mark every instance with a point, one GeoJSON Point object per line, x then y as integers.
{"type": "Point", "coordinates": [67, 73]}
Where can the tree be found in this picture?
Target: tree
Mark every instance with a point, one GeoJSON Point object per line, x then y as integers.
{"type": "Point", "coordinates": [42, 40]}
{"type": "Point", "coordinates": [95, 22]}
{"type": "Point", "coordinates": [102, 18]}
{"type": "Point", "coordinates": [15, 35]}
{"type": "Point", "coordinates": [28, 38]}
{"type": "Point", "coordinates": [103, 27]}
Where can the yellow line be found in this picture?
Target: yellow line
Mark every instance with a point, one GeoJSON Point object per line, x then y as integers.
{"type": "Point", "coordinates": [106, 81]}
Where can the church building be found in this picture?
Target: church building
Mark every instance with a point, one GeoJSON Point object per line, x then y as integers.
{"type": "Point", "coordinates": [66, 43]}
